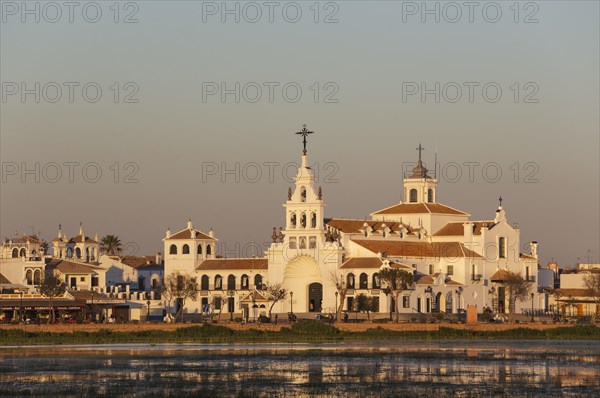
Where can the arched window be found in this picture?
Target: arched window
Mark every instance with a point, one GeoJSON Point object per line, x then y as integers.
{"type": "Point", "coordinates": [204, 282]}
{"type": "Point", "coordinates": [29, 277]}
{"type": "Point", "coordinates": [78, 252]}
{"type": "Point", "coordinates": [173, 249]}
{"type": "Point", "coordinates": [303, 194]}
{"type": "Point", "coordinates": [376, 281]}
{"type": "Point", "coordinates": [502, 247]}
{"type": "Point", "coordinates": [37, 277]}
{"type": "Point", "coordinates": [208, 249]}
{"type": "Point", "coordinates": [293, 220]}
{"type": "Point", "coordinates": [218, 282]}
{"type": "Point", "coordinates": [200, 249]}
{"type": "Point", "coordinates": [185, 249]}
{"type": "Point", "coordinates": [413, 196]}
{"type": "Point", "coordinates": [245, 282]}
{"type": "Point", "coordinates": [364, 281]}
{"type": "Point", "coordinates": [15, 253]}
{"type": "Point", "coordinates": [313, 220]}
{"type": "Point", "coordinates": [303, 220]}
{"type": "Point", "coordinates": [258, 281]}
{"type": "Point", "coordinates": [449, 298]}
{"type": "Point", "coordinates": [293, 243]}
{"type": "Point", "coordinates": [231, 282]}
{"type": "Point", "coordinates": [430, 195]}
{"type": "Point", "coordinates": [350, 281]}
{"type": "Point", "coordinates": [69, 252]}
{"type": "Point", "coordinates": [22, 253]}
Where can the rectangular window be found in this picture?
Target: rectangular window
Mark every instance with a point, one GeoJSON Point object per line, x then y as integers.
{"type": "Point", "coordinates": [502, 247]}
{"type": "Point", "coordinates": [526, 273]}
{"type": "Point", "coordinates": [82, 279]}
{"type": "Point", "coordinates": [450, 270]}
{"type": "Point", "coordinates": [312, 242]}
{"type": "Point", "coordinates": [179, 282]}
{"type": "Point", "coordinates": [430, 269]}
{"type": "Point", "coordinates": [405, 301]}
{"type": "Point", "coordinates": [293, 243]}
{"type": "Point", "coordinates": [350, 301]}
{"type": "Point", "coordinates": [473, 272]}
{"type": "Point", "coordinates": [217, 302]}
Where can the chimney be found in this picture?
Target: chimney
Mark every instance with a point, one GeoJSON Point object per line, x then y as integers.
{"type": "Point", "coordinates": [533, 247]}
{"type": "Point", "coordinates": [468, 231]}
{"type": "Point", "coordinates": [158, 258]}
{"type": "Point", "coordinates": [168, 235]}
{"type": "Point", "coordinates": [189, 224]}
{"type": "Point", "coordinates": [211, 233]}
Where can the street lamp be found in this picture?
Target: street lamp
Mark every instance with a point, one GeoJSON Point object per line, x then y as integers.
{"type": "Point", "coordinates": [292, 303]}
{"type": "Point", "coordinates": [148, 302]}
{"type": "Point", "coordinates": [21, 307]}
{"type": "Point", "coordinates": [336, 305]}
{"type": "Point", "coordinates": [532, 296]}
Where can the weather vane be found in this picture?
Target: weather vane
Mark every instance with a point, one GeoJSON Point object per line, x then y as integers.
{"type": "Point", "coordinates": [304, 134]}
{"type": "Point", "coordinates": [500, 200]}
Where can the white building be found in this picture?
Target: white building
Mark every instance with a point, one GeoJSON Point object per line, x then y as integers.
{"type": "Point", "coordinates": [456, 261]}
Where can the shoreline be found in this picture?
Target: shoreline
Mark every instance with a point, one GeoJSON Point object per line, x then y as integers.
{"type": "Point", "coordinates": [301, 332]}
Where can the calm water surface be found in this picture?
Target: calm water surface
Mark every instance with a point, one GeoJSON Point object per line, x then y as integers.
{"type": "Point", "coordinates": [407, 368]}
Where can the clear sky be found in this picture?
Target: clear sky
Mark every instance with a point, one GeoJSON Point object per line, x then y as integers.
{"type": "Point", "coordinates": [362, 68]}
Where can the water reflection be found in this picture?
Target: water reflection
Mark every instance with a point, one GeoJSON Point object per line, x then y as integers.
{"type": "Point", "coordinates": [456, 368]}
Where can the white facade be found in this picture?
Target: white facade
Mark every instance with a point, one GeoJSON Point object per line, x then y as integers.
{"type": "Point", "coordinates": [456, 262]}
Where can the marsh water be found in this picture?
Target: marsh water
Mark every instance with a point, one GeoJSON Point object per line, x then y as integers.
{"type": "Point", "coordinates": [406, 368]}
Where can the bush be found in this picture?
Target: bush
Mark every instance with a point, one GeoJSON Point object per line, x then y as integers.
{"type": "Point", "coordinates": [264, 319]}
{"type": "Point", "coordinates": [314, 328]}
{"type": "Point", "coordinates": [486, 316]}
{"type": "Point", "coordinates": [413, 320]}
{"type": "Point", "coordinates": [238, 320]}
{"type": "Point", "coordinates": [439, 316]}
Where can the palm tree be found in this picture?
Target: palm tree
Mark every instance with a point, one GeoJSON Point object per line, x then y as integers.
{"type": "Point", "coordinates": [111, 245]}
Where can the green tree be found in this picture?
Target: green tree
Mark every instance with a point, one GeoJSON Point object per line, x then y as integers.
{"type": "Point", "coordinates": [219, 302]}
{"type": "Point", "coordinates": [111, 245]}
{"type": "Point", "coordinates": [52, 287]}
{"type": "Point", "coordinates": [275, 293]}
{"type": "Point", "coordinates": [397, 281]}
{"type": "Point", "coordinates": [517, 289]}
{"type": "Point", "coordinates": [364, 303]}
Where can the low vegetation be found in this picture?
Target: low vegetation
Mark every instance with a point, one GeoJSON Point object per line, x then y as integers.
{"type": "Point", "coordinates": [302, 331]}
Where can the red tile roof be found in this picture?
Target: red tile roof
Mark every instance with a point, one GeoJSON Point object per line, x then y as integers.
{"type": "Point", "coordinates": [500, 275]}
{"type": "Point", "coordinates": [418, 208]}
{"type": "Point", "coordinates": [398, 248]}
{"type": "Point", "coordinates": [234, 264]}
{"type": "Point", "coordinates": [354, 225]}
{"type": "Point", "coordinates": [565, 293]}
{"type": "Point", "coordinates": [69, 267]}
{"type": "Point", "coordinates": [79, 239]}
{"type": "Point", "coordinates": [362, 262]}
{"type": "Point", "coordinates": [457, 228]}
{"type": "Point", "coordinates": [190, 234]}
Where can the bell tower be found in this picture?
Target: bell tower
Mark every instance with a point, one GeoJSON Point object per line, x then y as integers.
{"type": "Point", "coordinates": [419, 187]}
{"type": "Point", "coordinates": [304, 207]}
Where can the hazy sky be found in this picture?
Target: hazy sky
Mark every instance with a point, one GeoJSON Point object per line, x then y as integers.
{"type": "Point", "coordinates": [166, 125]}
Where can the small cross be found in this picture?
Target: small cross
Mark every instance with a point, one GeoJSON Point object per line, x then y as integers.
{"type": "Point", "coordinates": [500, 200]}
{"type": "Point", "coordinates": [304, 134]}
{"type": "Point", "coordinates": [420, 149]}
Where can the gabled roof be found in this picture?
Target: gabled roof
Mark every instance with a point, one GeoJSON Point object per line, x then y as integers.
{"type": "Point", "coordinates": [4, 280]}
{"type": "Point", "coordinates": [190, 234]}
{"type": "Point", "coordinates": [255, 296]}
{"type": "Point", "coordinates": [456, 228]}
{"type": "Point", "coordinates": [79, 239]}
{"type": "Point", "coordinates": [25, 239]}
{"type": "Point", "coordinates": [398, 248]}
{"type": "Point", "coordinates": [500, 276]}
{"type": "Point", "coordinates": [139, 262]}
{"type": "Point", "coordinates": [234, 264]}
{"type": "Point", "coordinates": [527, 257]}
{"type": "Point", "coordinates": [69, 267]}
{"type": "Point", "coordinates": [420, 208]}
{"type": "Point", "coordinates": [362, 262]}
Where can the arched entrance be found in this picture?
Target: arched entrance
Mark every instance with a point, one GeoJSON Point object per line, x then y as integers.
{"type": "Point", "coordinates": [315, 297]}
{"type": "Point", "coordinates": [437, 306]}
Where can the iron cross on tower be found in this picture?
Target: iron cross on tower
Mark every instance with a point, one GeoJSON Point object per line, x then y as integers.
{"type": "Point", "coordinates": [420, 149]}
{"type": "Point", "coordinates": [304, 134]}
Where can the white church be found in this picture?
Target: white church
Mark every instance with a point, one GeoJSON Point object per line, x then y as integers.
{"type": "Point", "coordinates": [456, 262]}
